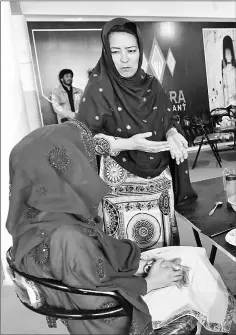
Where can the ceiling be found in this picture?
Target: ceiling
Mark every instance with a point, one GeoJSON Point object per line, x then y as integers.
{"type": "Point", "coordinates": [137, 10]}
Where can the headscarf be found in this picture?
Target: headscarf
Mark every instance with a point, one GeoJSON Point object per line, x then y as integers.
{"type": "Point", "coordinates": [49, 171]}
{"type": "Point", "coordinates": [123, 107]}
{"type": "Point", "coordinates": [53, 184]}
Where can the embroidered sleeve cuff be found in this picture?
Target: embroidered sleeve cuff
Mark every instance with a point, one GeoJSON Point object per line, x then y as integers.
{"type": "Point", "coordinates": [103, 147]}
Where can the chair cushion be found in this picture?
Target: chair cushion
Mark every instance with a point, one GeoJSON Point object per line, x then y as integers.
{"type": "Point", "coordinates": [214, 137]}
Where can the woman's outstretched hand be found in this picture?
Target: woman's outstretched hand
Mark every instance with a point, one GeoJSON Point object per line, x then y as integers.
{"type": "Point", "coordinates": [178, 146]}
{"type": "Point", "coordinates": [161, 276]}
{"type": "Point", "coordinates": [139, 142]}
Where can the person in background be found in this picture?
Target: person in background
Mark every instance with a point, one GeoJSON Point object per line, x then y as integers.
{"type": "Point", "coordinates": [66, 98]}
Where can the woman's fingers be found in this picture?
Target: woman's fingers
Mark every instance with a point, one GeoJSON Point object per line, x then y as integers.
{"type": "Point", "coordinates": [177, 279]}
{"type": "Point", "coordinates": [178, 155]}
{"type": "Point", "coordinates": [178, 146]}
{"type": "Point", "coordinates": [176, 273]}
{"type": "Point", "coordinates": [144, 135]}
{"type": "Point", "coordinates": [183, 141]}
{"type": "Point", "coordinates": [151, 146]}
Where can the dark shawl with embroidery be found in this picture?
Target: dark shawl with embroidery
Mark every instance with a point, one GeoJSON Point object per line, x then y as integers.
{"type": "Point", "coordinates": [123, 107]}
{"type": "Point", "coordinates": [54, 186]}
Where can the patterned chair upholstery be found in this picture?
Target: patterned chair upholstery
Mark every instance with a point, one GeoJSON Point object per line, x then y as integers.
{"type": "Point", "coordinates": [28, 290]}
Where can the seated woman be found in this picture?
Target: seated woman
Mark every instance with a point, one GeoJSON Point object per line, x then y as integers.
{"type": "Point", "coordinates": [57, 234]}
{"type": "Point", "coordinates": [131, 118]}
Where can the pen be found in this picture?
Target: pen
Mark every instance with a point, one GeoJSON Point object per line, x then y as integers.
{"type": "Point", "coordinates": [222, 232]}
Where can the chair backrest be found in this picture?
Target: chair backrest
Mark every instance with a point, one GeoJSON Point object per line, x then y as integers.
{"type": "Point", "coordinates": [29, 291]}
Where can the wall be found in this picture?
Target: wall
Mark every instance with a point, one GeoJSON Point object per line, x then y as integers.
{"type": "Point", "coordinates": [188, 84]}
{"type": "Point", "coordinates": [200, 10]}
{"type": "Point", "coordinates": [14, 120]}
{"type": "Point", "coordinates": [60, 48]}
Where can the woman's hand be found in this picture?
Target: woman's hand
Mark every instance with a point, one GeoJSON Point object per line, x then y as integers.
{"type": "Point", "coordinates": [174, 264]}
{"type": "Point", "coordinates": [139, 142]}
{"type": "Point", "coordinates": [178, 146]}
{"type": "Point", "coordinates": [161, 276]}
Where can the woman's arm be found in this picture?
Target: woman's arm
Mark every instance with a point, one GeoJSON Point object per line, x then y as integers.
{"type": "Point", "coordinates": [178, 145]}
{"type": "Point", "coordinates": [177, 142]}
{"type": "Point", "coordinates": [112, 146]}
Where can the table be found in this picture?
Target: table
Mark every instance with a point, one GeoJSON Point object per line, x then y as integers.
{"type": "Point", "coordinates": [196, 214]}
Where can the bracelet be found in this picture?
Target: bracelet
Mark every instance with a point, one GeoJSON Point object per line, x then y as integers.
{"type": "Point", "coordinates": [147, 266]}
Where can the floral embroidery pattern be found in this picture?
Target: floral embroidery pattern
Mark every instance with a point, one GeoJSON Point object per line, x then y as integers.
{"type": "Point", "coordinates": [31, 212]}
{"type": "Point", "coordinates": [144, 229]}
{"type": "Point", "coordinates": [91, 232]}
{"type": "Point", "coordinates": [164, 202]}
{"type": "Point", "coordinates": [100, 233]}
{"type": "Point", "coordinates": [59, 159]}
{"type": "Point", "coordinates": [137, 330]}
{"type": "Point", "coordinates": [40, 253]}
{"type": "Point", "coordinates": [148, 188]}
{"type": "Point", "coordinates": [113, 224]}
{"type": "Point", "coordinates": [87, 139]}
{"type": "Point", "coordinates": [212, 326]}
{"type": "Point", "coordinates": [90, 221]}
{"type": "Point", "coordinates": [143, 232]}
{"type": "Point", "coordinates": [108, 305]}
{"type": "Point", "coordinates": [95, 233]}
{"type": "Point", "coordinates": [183, 325]}
{"type": "Point", "coordinates": [114, 173]}
{"type": "Point", "coordinates": [102, 146]}
{"type": "Point", "coordinates": [51, 322]}
{"type": "Point", "coordinates": [41, 190]}
{"type": "Point", "coordinates": [100, 268]}
{"type": "Point", "coordinates": [141, 205]}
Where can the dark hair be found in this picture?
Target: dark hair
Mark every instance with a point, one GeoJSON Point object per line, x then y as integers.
{"type": "Point", "coordinates": [228, 44]}
{"type": "Point", "coordinates": [65, 71]}
{"type": "Point", "coordinates": [128, 27]}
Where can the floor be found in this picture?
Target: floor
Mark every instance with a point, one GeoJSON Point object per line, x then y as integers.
{"type": "Point", "coordinates": [16, 319]}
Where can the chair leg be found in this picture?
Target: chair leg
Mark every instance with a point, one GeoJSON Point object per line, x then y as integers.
{"type": "Point", "coordinates": [217, 151]}
{"type": "Point", "coordinates": [215, 154]}
{"type": "Point", "coordinates": [198, 152]}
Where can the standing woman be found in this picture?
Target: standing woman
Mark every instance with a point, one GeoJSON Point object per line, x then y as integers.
{"type": "Point", "coordinates": [130, 117]}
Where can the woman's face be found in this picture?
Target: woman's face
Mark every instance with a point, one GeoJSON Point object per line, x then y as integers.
{"type": "Point", "coordinates": [125, 53]}
{"type": "Point", "coordinates": [228, 55]}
